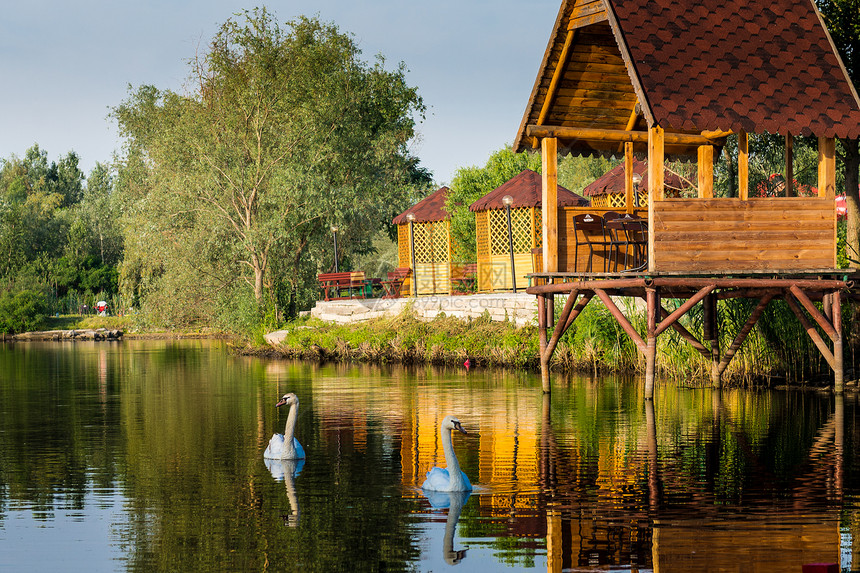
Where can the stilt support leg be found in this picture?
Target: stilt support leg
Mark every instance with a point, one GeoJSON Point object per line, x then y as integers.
{"type": "Point", "coordinates": [653, 304]}
{"type": "Point", "coordinates": [544, 355]}
{"type": "Point", "coordinates": [838, 357]}
{"type": "Point", "coordinates": [712, 335]}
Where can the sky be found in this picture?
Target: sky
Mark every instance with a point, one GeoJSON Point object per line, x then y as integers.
{"type": "Point", "coordinates": [64, 65]}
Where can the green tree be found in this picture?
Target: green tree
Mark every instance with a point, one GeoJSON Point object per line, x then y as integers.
{"type": "Point", "coordinates": [843, 22]}
{"type": "Point", "coordinates": [472, 183]}
{"type": "Point", "coordinates": [285, 132]}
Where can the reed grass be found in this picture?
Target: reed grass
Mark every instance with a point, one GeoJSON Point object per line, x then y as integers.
{"type": "Point", "coordinates": [777, 350]}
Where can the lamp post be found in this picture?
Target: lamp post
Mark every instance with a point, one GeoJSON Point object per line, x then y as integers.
{"type": "Point", "coordinates": [637, 179]}
{"type": "Point", "coordinates": [508, 200]}
{"type": "Point", "coordinates": [334, 235]}
{"type": "Point", "coordinates": [411, 218]}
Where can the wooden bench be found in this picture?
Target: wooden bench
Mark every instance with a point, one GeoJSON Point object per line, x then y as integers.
{"type": "Point", "coordinates": [394, 284]}
{"type": "Point", "coordinates": [464, 278]}
{"type": "Point", "coordinates": [335, 286]}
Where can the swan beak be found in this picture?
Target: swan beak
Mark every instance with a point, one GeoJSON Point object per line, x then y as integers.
{"type": "Point", "coordinates": [280, 403]}
{"type": "Point", "coordinates": [459, 427]}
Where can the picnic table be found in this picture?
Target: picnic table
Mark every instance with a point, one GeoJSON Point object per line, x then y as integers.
{"type": "Point", "coordinates": [349, 284]}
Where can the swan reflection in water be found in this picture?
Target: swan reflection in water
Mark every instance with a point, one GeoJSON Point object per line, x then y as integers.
{"type": "Point", "coordinates": [287, 471]}
{"type": "Point", "coordinates": [454, 501]}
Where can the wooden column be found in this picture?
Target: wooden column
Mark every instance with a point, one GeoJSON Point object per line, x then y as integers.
{"type": "Point", "coordinates": [827, 178]}
{"type": "Point", "coordinates": [827, 167]}
{"type": "Point", "coordinates": [554, 547]}
{"type": "Point", "coordinates": [706, 171]}
{"type": "Point", "coordinates": [549, 202]}
{"type": "Point", "coordinates": [789, 166]}
{"type": "Point", "coordinates": [743, 166]}
{"type": "Point", "coordinates": [712, 336]}
{"type": "Point", "coordinates": [542, 337]}
{"type": "Point", "coordinates": [652, 309]}
{"type": "Point", "coordinates": [655, 183]}
{"type": "Point", "coordinates": [838, 357]}
{"type": "Point", "coordinates": [628, 176]}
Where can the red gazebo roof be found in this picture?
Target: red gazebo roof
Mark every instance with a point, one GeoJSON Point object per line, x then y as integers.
{"type": "Point", "coordinates": [429, 209]}
{"type": "Point", "coordinates": [613, 180]}
{"type": "Point", "coordinates": [525, 189]}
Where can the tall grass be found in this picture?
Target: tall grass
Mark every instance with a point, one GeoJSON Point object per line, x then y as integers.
{"type": "Point", "coordinates": [777, 350]}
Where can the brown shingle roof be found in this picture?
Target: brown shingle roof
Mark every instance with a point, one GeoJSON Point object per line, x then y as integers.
{"type": "Point", "coordinates": [710, 65]}
{"type": "Point", "coordinates": [764, 65]}
{"type": "Point", "coordinates": [525, 189]}
{"type": "Point", "coordinates": [431, 208]}
{"type": "Point", "coordinates": [613, 180]}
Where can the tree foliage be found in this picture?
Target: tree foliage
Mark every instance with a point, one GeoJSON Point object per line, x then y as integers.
{"type": "Point", "coordinates": [232, 187]}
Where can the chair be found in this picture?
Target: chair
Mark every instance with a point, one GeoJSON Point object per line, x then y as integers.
{"type": "Point", "coordinates": [616, 237]}
{"type": "Point", "coordinates": [636, 230]}
{"type": "Point", "coordinates": [590, 227]}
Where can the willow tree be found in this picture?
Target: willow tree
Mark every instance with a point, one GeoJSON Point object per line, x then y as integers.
{"type": "Point", "coordinates": [282, 132]}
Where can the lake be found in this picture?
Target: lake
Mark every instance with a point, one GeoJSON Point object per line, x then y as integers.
{"type": "Point", "coordinates": [147, 456]}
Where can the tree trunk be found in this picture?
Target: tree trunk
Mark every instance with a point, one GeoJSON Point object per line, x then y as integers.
{"type": "Point", "coordinates": [852, 200]}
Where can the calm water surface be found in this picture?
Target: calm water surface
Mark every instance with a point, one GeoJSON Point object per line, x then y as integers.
{"type": "Point", "coordinates": [147, 456]}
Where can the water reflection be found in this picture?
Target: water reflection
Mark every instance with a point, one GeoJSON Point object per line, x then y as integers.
{"type": "Point", "coordinates": [287, 471]}
{"type": "Point", "coordinates": [453, 501]}
{"type": "Point", "coordinates": [590, 477]}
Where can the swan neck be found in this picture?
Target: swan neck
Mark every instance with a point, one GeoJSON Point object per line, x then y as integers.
{"type": "Point", "coordinates": [290, 428]}
{"type": "Point", "coordinates": [450, 457]}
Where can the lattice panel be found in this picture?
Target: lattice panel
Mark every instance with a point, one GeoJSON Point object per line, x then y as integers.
{"type": "Point", "coordinates": [403, 255]}
{"type": "Point", "coordinates": [616, 201]}
{"type": "Point", "coordinates": [431, 243]}
{"type": "Point", "coordinates": [538, 217]}
{"type": "Point", "coordinates": [482, 236]}
{"type": "Point", "coordinates": [521, 231]}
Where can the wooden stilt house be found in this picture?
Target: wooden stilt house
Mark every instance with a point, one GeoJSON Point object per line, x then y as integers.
{"type": "Point", "coordinates": [670, 78]}
{"type": "Point", "coordinates": [426, 226]}
{"type": "Point", "coordinates": [491, 225]}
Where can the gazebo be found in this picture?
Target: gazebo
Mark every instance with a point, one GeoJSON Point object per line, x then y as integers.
{"type": "Point", "coordinates": [608, 190]}
{"type": "Point", "coordinates": [431, 236]}
{"type": "Point", "coordinates": [670, 78]}
{"type": "Point", "coordinates": [491, 226]}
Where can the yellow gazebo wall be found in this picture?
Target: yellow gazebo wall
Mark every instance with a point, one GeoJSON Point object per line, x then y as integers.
{"type": "Point", "coordinates": [433, 254]}
{"type": "Point", "coordinates": [494, 259]}
{"type": "Point", "coordinates": [616, 201]}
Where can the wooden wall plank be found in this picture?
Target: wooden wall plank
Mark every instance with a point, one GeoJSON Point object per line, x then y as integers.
{"type": "Point", "coordinates": [722, 235]}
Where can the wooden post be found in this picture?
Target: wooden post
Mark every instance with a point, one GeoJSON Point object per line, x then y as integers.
{"type": "Point", "coordinates": [789, 165]}
{"type": "Point", "coordinates": [838, 358]}
{"type": "Point", "coordinates": [628, 176]}
{"type": "Point", "coordinates": [827, 168]}
{"type": "Point", "coordinates": [743, 165]}
{"type": "Point", "coordinates": [655, 184]}
{"type": "Point", "coordinates": [554, 547]}
{"type": "Point", "coordinates": [706, 172]}
{"type": "Point", "coordinates": [544, 358]}
{"type": "Point", "coordinates": [827, 179]}
{"type": "Point", "coordinates": [712, 336]}
{"type": "Point", "coordinates": [549, 203]}
{"type": "Point", "coordinates": [653, 303]}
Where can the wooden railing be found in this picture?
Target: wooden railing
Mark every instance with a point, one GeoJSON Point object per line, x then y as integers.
{"type": "Point", "coordinates": [725, 235]}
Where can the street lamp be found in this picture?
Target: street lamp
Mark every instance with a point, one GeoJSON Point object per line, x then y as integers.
{"type": "Point", "coordinates": [411, 218]}
{"type": "Point", "coordinates": [508, 200]}
{"type": "Point", "coordinates": [637, 179]}
{"type": "Point", "coordinates": [334, 234]}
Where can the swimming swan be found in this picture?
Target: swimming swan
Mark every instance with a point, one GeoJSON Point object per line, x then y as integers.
{"type": "Point", "coordinates": [285, 446]}
{"type": "Point", "coordinates": [451, 478]}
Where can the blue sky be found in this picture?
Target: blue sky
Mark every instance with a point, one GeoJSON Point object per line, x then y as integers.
{"type": "Point", "coordinates": [64, 65]}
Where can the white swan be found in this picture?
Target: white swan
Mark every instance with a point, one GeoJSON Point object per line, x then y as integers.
{"type": "Point", "coordinates": [285, 446]}
{"type": "Point", "coordinates": [451, 478]}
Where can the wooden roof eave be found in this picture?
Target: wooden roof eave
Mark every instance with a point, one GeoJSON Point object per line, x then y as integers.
{"type": "Point", "coordinates": [518, 142]}
{"type": "Point", "coordinates": [628, 62]}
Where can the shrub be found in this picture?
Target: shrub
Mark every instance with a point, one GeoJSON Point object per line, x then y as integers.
{"type": "Point", "coordinates": [22, 311]}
